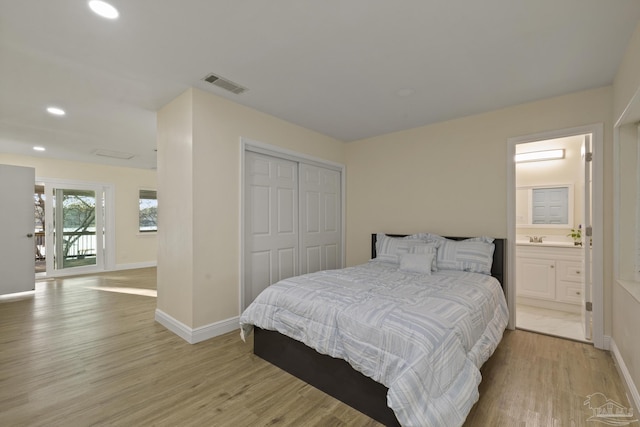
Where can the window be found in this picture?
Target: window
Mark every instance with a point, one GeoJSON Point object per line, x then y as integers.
{"type": "Point", "coordinates": [148, 213]}
{"type": "Point", "coordinates": [545, 206]}
{"type": "Point", "coordinates": [550, 205]}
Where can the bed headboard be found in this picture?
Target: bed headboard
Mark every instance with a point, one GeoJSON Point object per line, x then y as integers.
{"type": "Point", "coordinates": [499, 256]}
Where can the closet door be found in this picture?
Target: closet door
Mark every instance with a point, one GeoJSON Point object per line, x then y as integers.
{"type": "Point", "coordinates": [320, 219]}
{"type": "Point", "coordinates": [271, 222]}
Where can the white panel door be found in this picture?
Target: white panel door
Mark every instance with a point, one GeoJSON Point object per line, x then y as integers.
{"type": "Point", "coordinates": [271, 222]}
{"type": "Point", "coordinates": [320, 219]}
{"type": "Point", "coordinates": [17, 219]}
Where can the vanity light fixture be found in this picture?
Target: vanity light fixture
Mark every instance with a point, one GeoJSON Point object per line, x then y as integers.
{"type": "Point", "coordinates": [38, 148]}
{"type": "Point", "coordinates": [536, 156]}
{"type": "Point", "coordinates": [104, 9]}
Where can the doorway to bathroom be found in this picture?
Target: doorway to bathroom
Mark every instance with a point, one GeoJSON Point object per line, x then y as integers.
{"type": "Point", "coordinates": [555, 280]}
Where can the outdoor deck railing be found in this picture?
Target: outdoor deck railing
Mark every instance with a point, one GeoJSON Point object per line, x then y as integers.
{"type": "Point", "coordinates": [84, 244]}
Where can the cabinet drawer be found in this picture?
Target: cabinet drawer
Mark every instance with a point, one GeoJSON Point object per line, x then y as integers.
{"type": "Point", "coordinates": [571, 271]}
{"type": "Point", "coordinates": [570, 292]}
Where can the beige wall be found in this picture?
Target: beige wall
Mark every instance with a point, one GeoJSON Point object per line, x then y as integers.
{"type": "Point", "coordinates": [175, 209]}
{"type": "Point", "coordinates": [217, 128]}
{"type": "Point", "coordinates": [627, 81]}
{"type": "Point", "coordinates": [628, 191]}
{"type": "Point", "coordinates": [626, 308]}
{"type": "Point", "coordinates": [625, 332]}
{"type": "Point", "coordinates": [131, 247]}
{"type": "Point", "coordinates": [450, 177]}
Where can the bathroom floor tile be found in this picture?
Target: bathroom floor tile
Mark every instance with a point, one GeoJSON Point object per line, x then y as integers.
{"type": "Point", "coordinates": [550, 322]}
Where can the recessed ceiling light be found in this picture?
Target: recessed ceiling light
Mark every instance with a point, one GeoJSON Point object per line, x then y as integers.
{"type": "Point", "coordinates": [56, 111]}
{"type": "Point", "coordinates": [37, 148]}
{"type": "Point", "coordinates": [114, 154]}
{"type": "Point", "coordinates": [104, 9]}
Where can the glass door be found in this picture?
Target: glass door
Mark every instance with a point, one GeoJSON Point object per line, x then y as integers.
{"type": "Point", "coordinates": [39, 228]}
{"type": "Point", "coordinates": [75, 237]}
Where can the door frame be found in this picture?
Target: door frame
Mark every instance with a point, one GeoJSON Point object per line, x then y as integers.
{"type": "Point", "coordinates": [597, 295]}
{"type": "Point", "coordinates": [247, 144]}
{"type": "Point", "coordinates": [108, 256]}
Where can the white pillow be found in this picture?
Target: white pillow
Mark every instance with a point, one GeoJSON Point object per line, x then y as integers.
{"type": "Point", "coordinates": [473, 255]}
{"type": "Point", "coordinates": [416, 263]}
{"type": "Point", "coordinates": [480, 239]}
{"type": "Point", "coordinates": [417, 236]}
{"type": "Point", "coordinates": [389, 249]}
{"type": "Point", "coordinates": [429, 237]}
{"type": "Point", "coordinates": [428, 249]}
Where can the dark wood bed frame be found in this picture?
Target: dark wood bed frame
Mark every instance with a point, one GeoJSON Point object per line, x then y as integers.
{"type": "Point", "coordinates": [335, 376]}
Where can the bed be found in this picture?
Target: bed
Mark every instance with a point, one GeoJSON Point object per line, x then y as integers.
{"type": "Point", "coordinates": [401, 338]}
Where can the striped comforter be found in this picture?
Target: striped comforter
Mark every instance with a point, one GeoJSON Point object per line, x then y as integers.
{"type": "Point", "coordinates": [423, 336]}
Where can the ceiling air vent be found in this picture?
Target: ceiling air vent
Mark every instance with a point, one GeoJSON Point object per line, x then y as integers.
{"type": "Point", "coordinates": [114, 154]}
{"type": "Point", "coordinates": [225, 84]}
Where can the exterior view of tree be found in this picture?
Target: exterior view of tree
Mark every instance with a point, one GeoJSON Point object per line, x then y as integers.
{"type": "Point", "coordinates": [39, 205]}
{"type": "Point", "coordinates": [39, 226]}
{"type": "Point", "coordinates": [79, 214]}
{"type": "Point", "coordinates": [148, 213]}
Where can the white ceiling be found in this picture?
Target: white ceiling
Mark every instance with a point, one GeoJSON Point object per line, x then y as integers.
{"type": "Point", "coordinates": [338, 67]}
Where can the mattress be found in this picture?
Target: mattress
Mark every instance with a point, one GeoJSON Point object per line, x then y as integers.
{"type": "Point", "coordinates": [423, 336]}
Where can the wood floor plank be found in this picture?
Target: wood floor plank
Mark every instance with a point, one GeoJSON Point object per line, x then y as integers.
{"type": "Point", "coordinates": [78, 353]}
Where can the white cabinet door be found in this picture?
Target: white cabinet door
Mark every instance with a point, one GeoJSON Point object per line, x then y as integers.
{"type": "Point", "coordinates": [17, 219]}
{"type": "Point", "coordinates": [271, 222]}
{"type": "Point", "coordinates": [320, 219]}
{"type": "Point", "coordinates": [536, 278]}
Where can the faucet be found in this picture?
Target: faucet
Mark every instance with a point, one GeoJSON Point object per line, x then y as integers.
{"type": "Point", "coordinates": [536, 239]}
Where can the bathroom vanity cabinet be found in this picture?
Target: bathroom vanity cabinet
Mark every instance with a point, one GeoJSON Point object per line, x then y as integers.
{"type": "Point", "coordinates": [550, 276]}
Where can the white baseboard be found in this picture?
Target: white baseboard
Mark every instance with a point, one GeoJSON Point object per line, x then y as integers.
{"type": "Point", "coordinates": [135, 265]}
{"type": "Point", "coordinates": [632, 390]}
{"type": "Point", "coordinates": [201, 333]}
{"type": "Point", "coordinates": [606, 343]}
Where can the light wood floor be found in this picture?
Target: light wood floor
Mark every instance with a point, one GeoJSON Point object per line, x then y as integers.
{"type": "Point", "coordinates": [76, 353]}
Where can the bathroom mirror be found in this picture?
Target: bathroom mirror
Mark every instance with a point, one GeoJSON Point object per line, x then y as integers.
{"type": "Point", "coordinates": [545, 206]}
